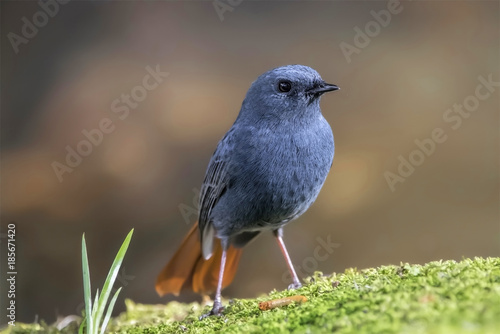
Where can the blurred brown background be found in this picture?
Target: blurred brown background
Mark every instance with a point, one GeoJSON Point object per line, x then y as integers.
{"type": "Point", "coordinates": [395, 90]}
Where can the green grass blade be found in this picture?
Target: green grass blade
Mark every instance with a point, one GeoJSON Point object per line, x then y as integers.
{"type": "Point", "coordinates": [110, 309]}
{"type": "Point", "coordinates": [82, 324]}
{"type": "Point", "coordinates": [95, 329]}
{"type": "Point", "coordinates": [86, 286]}
{"type": "Point", "coordinates": [94, 307]}
{"type": "Point", "coordinates": [110, 280]}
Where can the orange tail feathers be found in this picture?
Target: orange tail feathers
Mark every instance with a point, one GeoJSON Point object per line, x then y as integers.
{"type": "Point", "coordinates": [188, 270]}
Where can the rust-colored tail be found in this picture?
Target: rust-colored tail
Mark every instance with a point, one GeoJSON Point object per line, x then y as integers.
{"type": "Point", "coordinates": [188, 270]}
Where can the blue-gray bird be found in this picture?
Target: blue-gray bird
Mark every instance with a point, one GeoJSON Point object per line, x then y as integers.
{"type": "Point", "coordinates": [266, 171]}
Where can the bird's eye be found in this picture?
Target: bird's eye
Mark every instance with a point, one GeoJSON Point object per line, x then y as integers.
{"type": "Point", "coordinates": [284, 86]}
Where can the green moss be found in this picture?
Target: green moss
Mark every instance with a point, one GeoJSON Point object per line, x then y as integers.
{"type": "Point", "coordinates": [439, 297]}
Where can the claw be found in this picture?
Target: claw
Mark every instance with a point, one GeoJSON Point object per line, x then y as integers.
{"type": "Point", "coordinates": [294, 286]}
{"type": "Point", "coordinates": [217, 310]}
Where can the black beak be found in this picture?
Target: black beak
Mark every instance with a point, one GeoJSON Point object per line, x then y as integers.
{"type": "Point", "coordinates": [322, 88]}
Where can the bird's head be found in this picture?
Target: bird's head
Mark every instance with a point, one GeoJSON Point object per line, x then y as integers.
{"type": "Point", "coordinates": [286, 92]}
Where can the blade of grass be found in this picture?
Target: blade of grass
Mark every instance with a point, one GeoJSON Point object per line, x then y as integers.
{"type": "Point", "coordinates": [110, 309]}
{"type": "Point", "coordinates": [95, 329]}
{"type": "Point", "coordinates": [110, 279]}
{"type": "Point", "coordinates": [86, 286]}
{"type": "Point", "coordinates": [82, 324]}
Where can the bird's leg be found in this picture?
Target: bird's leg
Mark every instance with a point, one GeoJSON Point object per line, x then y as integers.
{"type": "Point", "coordinates": [279, 236]}
{"type": "Point", "coordinates": [217, 308]}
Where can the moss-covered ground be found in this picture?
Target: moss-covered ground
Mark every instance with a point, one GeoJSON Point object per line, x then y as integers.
{"type": "Point", "coordinates": [438, 297]}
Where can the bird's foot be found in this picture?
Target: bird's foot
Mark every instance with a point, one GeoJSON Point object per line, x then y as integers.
{"type": "Point", "coordinates": [216, 310]}
{"type": "Point", "coordinates": [295, 285]}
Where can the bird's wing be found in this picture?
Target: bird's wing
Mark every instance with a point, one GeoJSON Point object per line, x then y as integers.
{"type": "Point", "coordinates": [212, 189]}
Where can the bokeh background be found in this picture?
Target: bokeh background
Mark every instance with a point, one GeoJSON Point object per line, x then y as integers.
{"type": "Point", "coordinates": [146, 173]}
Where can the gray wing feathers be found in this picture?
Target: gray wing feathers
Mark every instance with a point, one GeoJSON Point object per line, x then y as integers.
{"type": "Point", "coordinates": [212, 189]}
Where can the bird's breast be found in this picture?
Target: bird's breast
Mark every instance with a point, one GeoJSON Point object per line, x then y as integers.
{"type": "Point", "coordinates": [283, 172]}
